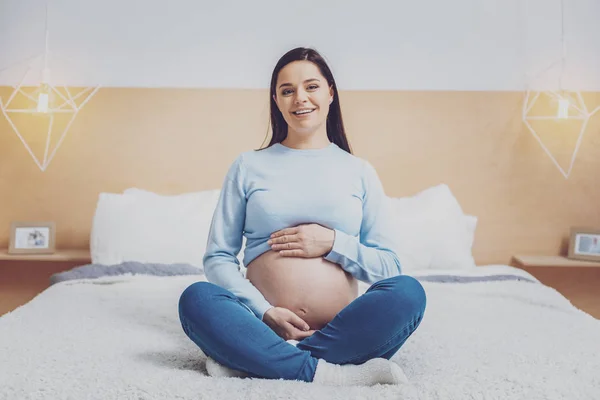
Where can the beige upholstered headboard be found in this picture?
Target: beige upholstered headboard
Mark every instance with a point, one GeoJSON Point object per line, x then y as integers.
{"type": "Point", "coordinates": [178, 140]}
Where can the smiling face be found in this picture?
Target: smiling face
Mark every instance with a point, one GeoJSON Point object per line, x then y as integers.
{"type": "Point", "coordinates": [303, 97]}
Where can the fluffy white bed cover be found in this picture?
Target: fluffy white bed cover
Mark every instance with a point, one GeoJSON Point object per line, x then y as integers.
{"type": "Point", "coordinates": [120, 338]}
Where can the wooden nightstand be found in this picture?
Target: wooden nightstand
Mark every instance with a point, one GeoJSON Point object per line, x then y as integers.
{"type": "Point", "coordinates": [578, 281]}
{"type": "Point", "coordinates": [24, 276]}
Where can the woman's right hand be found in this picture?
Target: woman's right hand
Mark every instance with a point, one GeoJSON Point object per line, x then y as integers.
{"type": "Point", "coordinates": [287, 324]}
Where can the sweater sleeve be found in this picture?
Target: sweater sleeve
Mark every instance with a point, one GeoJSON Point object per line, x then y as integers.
{"type": "Point", "coordinates": [221, 265]}
{"type": "Point", "coordinates": [369, 258]}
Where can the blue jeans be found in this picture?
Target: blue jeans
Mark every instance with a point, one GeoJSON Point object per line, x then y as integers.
{"type": "Point", "coordinates": [376, 324]}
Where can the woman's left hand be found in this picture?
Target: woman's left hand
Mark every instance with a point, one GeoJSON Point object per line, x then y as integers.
{"type": "Point", "coordinates": [309, 241]}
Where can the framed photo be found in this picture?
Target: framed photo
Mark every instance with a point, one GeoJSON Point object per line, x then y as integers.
{"type": "Point", "coordinates": [584, 244]}
{"type": "Point", "coordinates": [32, 238]}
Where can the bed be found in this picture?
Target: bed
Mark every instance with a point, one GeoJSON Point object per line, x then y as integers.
{"type": "Point", "coordinates": [490, 333]}
{"type": "Point", "coordinates": [110, 329]}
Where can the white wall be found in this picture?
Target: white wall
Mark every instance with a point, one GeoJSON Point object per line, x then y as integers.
{"type": "Point", "coordinates": [376, 44]}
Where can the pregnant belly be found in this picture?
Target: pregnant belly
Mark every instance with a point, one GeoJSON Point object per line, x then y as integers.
{"type": "Point", "coordinates": [313, 288]}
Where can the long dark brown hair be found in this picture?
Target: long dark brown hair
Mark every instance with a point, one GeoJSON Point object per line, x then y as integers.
{"type": "Point", "coordinates": [335, 124]}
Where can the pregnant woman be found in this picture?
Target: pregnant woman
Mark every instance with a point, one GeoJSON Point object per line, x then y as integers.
{"type": "Point", "coordinates": [315, 221]}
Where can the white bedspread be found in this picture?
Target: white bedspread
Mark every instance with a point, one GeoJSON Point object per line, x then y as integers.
{"type": "Point", "coordinates": [120, 338]}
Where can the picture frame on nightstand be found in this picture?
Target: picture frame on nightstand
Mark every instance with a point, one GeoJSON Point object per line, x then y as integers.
{"type": "Point", "coordinates": [584, 244]}
{"type": "Point", "coordinates": [31, 237]}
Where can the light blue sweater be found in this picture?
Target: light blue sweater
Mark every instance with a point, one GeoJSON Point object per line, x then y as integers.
{"type": "Point", "coordinates": [280, 187]}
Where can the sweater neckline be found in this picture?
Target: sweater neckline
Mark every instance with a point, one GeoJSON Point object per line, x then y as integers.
{"type": "Point", "coordinates": [323, 150]}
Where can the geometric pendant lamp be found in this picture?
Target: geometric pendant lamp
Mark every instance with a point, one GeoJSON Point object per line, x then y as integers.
{"type": "Point", "coordinates": [568, 110]}
{"type": "Point", "coordinates": [56, 106]}
{"type": "Point", "coordinates": [557, 113]}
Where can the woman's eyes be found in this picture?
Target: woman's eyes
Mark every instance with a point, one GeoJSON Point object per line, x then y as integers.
{"type": "Point", "coordinates": [310, 87]}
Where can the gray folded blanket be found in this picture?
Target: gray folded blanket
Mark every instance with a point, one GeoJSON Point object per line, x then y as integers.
{"type": "Point", "coordinates": [91, 271]}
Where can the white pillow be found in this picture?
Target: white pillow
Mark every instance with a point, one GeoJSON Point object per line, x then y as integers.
{"type": "Point", "coordinates": [208, 197]}
{"type": "Point", "coordinates": [147, 227]}
{"type": "Point", "coordinates": [432, 232]}
{"type": "Point", "coordinates": [471, 223]}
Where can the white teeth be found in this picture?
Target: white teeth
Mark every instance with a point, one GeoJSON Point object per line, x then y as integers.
{"type": "Point", "coordinates": [303, 112]}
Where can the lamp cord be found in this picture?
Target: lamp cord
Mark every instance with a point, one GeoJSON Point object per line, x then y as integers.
{"type": "Point", "coordinates": [564, 46]}
{"type": "Point", "coordinates": [47, 34]}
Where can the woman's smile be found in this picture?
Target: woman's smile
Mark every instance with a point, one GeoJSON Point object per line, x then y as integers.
{"type": "Point", "coordinates": [303, 113]}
